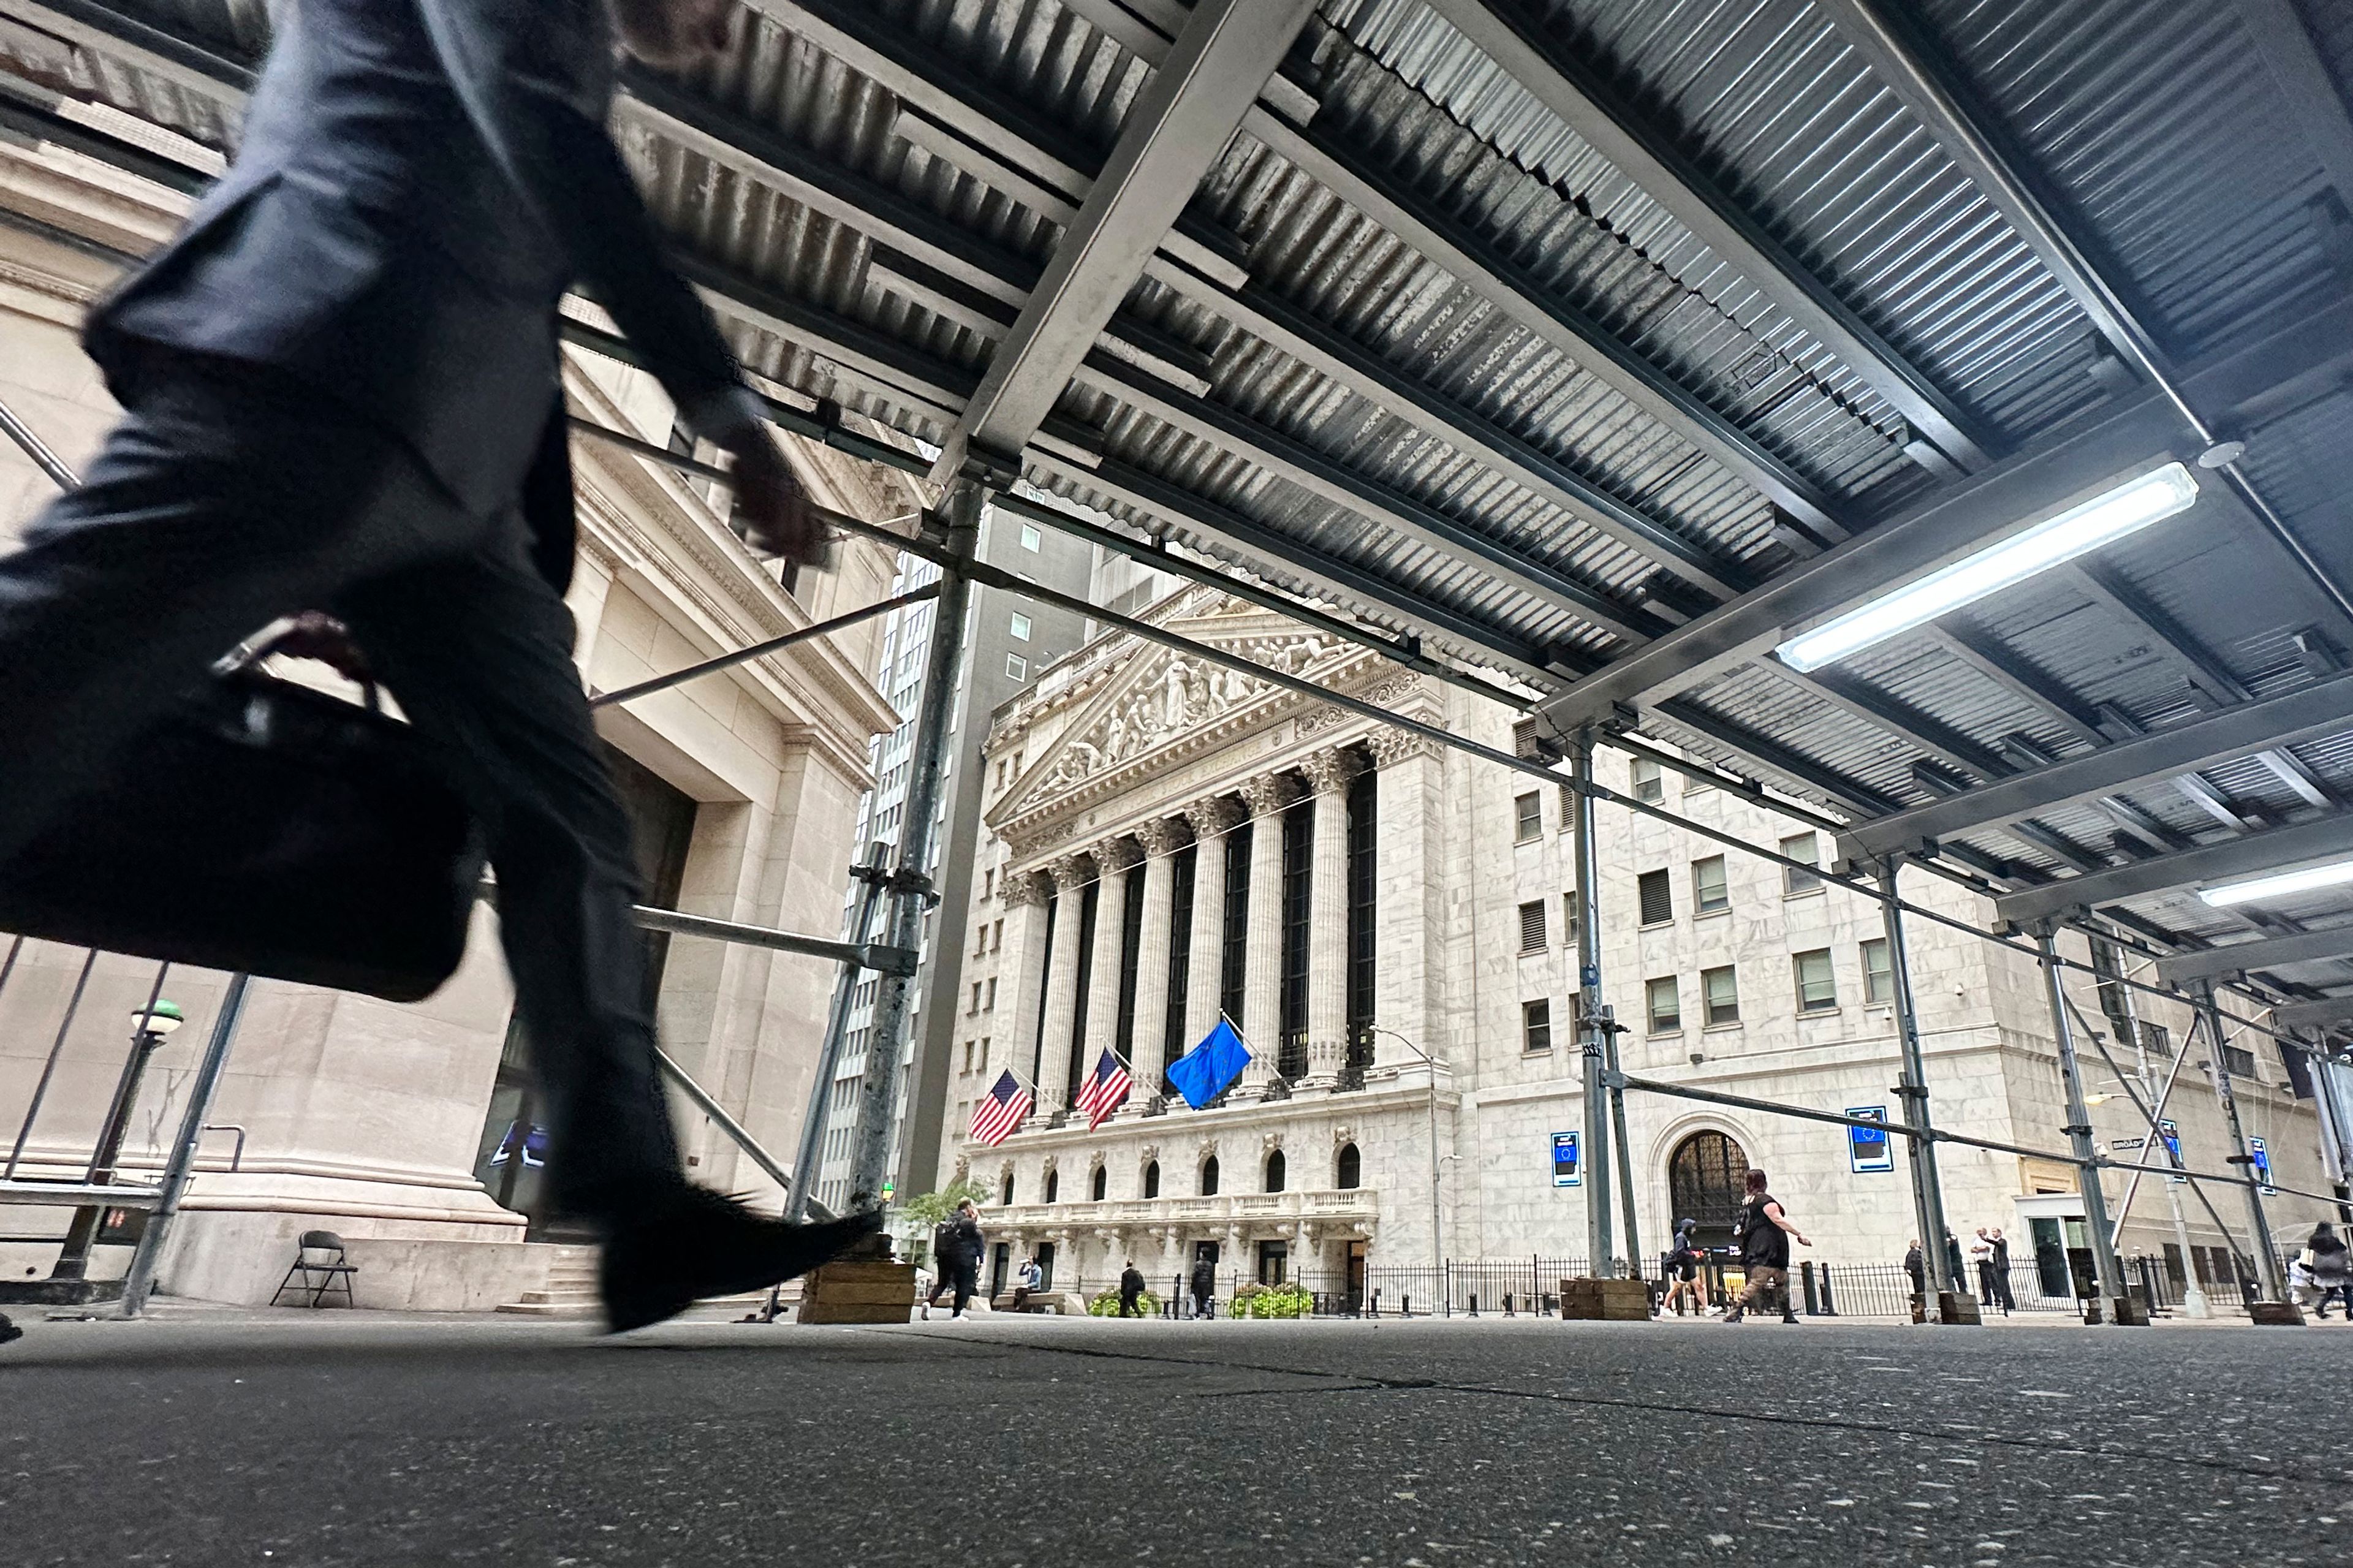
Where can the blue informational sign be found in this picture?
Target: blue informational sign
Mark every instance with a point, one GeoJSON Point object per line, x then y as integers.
{"type": "Point", "coordinates": [2173, 1151]}
{"type": "Point", "coordinates": [2263, 1159]}
{"type": "Point", "coordinates": [1869, 1150]}
{"type": "Point", "coordinates": [1564, 1173]}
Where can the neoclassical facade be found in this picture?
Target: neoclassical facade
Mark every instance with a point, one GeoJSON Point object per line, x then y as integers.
{"type": "Point", "coordinates": [1391, 926]}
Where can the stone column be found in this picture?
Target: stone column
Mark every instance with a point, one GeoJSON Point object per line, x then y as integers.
{"type": "Point", "coordinates": [1062, 987]}
{"type": "Point", "coordinates": [1410, 882]}
{"type": "Point", "coordinates": [1111, 860]}
{"type": "Point", "coordinates": [1022, 971]}
{"type": "Point", "coordinates": [1212, 820]}
{"type": "Point", "coordinates": [1150, 1044]}
{"type": "Point", "coordinates": [1328, 774]}
{"type": "Point", "coordinates": [1261, 1020]}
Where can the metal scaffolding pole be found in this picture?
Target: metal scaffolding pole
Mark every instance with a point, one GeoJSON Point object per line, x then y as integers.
{"type": "Point", "coordinates": [2267, 1266]}
{"type": "Point", "coordinates": [1625, 1161]}
{"type": "Point", "coordinates": [1592, 1021]}
{"type": "Point", "coordinates": [872, 878]}
{"type": "Point", "coordinates": [2104, 1263]}
{"type": "Point", "coordinates": [1928, 1192]}
{"type": "Point", "coordinates": [910, 891]}
{"type": "Point", "coordinates": [182, 1165]}
{"type": "Point", "coordinates": [2193, 1297]}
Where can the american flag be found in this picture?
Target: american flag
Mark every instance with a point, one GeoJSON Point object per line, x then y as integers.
{"type": "Point", "coordinates": [994, 1118]}
{"type": "Point", "coordinates": [1105, 1092]}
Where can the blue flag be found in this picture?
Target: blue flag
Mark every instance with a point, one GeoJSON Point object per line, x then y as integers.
{"type": "Point", "coordinates": [1209, 1069]}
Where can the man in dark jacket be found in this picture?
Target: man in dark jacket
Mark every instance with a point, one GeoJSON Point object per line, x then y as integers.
{"type": "Point", "coordinates": [1205, 1285]}
{"type": "Point", "coordinates": [957, 1247]}
{"type": "Point", "coordinates": [1131, 1290]}
{"type": "Point", "coordinates": [341, 394]}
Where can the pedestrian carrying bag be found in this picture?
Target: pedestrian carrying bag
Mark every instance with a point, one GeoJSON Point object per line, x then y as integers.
{"type": "Point", "coordinates": [263, 827]}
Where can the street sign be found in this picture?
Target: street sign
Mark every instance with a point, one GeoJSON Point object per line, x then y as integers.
{"type": "Point", "coordinates": [1564, 1173]}
{"type": "Point", "coordinates": [2173, 1150]}
{"type": "Point", "coordinates": [2263, 1159]}
{"type": "Point", "coordinates": [2127, 1142]}
{"type": "Point", "coordinates": [1868, 1148]}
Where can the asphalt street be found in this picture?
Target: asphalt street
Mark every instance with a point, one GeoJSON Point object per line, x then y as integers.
{"type": "Point", "coordinates": [355, 1438]}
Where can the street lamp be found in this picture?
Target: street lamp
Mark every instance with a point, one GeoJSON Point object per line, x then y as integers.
{"type": "Point", "coordinates": [150, 1027]}
{"type": "Point", "coordinates": [1437, 1255]}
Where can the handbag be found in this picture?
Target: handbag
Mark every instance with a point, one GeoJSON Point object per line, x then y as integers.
{"type": "Point", "coordinates": [266, 827]}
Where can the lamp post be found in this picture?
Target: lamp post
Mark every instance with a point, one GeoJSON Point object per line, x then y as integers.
{"type": "Point", "coordinates": [151, 1025]}
{"type": "Point", "coordinates": [1437, 1252]}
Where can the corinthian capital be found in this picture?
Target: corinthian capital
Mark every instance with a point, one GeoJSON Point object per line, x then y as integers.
{"type": "Point", "coordinates": [1328, 772]}
{"type": "Point", "coordinates": [1115, 855]}
{"type": "Point", "coordinates": [1069, 870]}
{"type": "Point", "coordinates": [1268, 793]}
{"type": "Point", "coordinates": [1159, 837]}
{"type": "Point", "coordinates": [1024, 889]}
{"type": "Point", "coordinates": [1213, 817]}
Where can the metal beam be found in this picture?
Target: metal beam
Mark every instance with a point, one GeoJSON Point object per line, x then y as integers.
{"type": "Point", "coordinates": [2320, 708]}
{"type": "Point", "coordinates": [2247, 957]}
{"type": "Point", "coordinates": [2317, 1015]}
{"type": "Point", "coordinates": [2245, 856]}
{"type": "Point", "coordinates": [2312, 100]}
{"type": "Point", "coordinates": [1568, 83]}
{"type": "Point", "coordinates": [2031, 485]}
{"type": "Point", "coordinates": [1176, 129]}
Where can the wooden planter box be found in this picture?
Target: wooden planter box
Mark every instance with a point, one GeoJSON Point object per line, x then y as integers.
{"type": "Point", "coordinates": [1607, 1301]}
{"type": "Point", "coordinates": [843, 1292]}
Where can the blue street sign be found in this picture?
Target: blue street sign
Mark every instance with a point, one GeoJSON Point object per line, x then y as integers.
{"type": "Point", "coordinates": [1564, 1173]}
{"type": "Point", "coordinates": [1868, 1148]}
{"type": "Point", "coordinates": [2263, 1159]}
{"type": "Point", "coordinates": [2173, 1151]}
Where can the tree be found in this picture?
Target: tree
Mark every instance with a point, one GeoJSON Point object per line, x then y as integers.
{"type": "Point", "coordinates": [929, 1209]}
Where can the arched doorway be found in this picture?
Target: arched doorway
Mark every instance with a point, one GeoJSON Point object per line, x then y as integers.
{"type": "Point", "coordinates": [1704, 1184]}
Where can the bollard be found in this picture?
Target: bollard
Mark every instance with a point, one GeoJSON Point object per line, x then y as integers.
{"type": "Point", "coordinates": [1507, 1304]}
{"type": "Point", "coordinates": [1405, 1310]}
{"type": "Point", "coordinates": [1830, 1308]}
{"type": "Point", "coordinates": [1805, 1276]}
{"type": "Point", "coordinates": [1475, 1306]}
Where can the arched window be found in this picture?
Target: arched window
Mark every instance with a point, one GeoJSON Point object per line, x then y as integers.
{"type": "Point", "coordinates": [1151, 1179]}
{"type": "Point", "coordinates": [1209, 1178]}
{"type": "Point", "coordinates": [1703, 1177]}
{"type": "Point", "coordinates": [1274, 1172]}
{"type": "Point", "coordinates": [1351, 1170]}
{"type": "Point", "coordinates": [1005, 1200]}
{"type": "Point", "coordinates": [1053, 1184]}
{"type": "Point", "coordinates": [1102, 1183]}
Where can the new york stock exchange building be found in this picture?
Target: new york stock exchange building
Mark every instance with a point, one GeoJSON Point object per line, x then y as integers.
{"type": "Point", "coordinates": [1391, 925]}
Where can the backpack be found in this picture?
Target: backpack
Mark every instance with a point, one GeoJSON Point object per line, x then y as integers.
{"type": "Point", "coordinates": [943, 1239]}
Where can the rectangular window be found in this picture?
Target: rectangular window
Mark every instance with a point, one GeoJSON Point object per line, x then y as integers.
{"type": "Point", "coordinates": [1535, 1026]}
{"type": "Point", "coordinates": [1020, 628]}
{"type": "Point", "coordinates": [1720, 994]}
{"type": "Point", "coordinates": [2238, 1061]}
{"type": "Point", "coordinates": [996, 936]}
{"type": "Point", "coordinates": [1649, 787]}
{"type": "Point", "coordinates": [1657, 898]}
{"type": "Point", "coordinates": [1298, 824]}
{"type": "Point", "coordinates": [1571, 932]}
{"type": "Point", "coordinates": [1817, 987]}
{"type": "Point", "coordinates": [974, 1006]}
{"type": "Point", "coordinates": [1568, 808]}
{"type": "Point", "coordinates": [1031, 538]}
{"type": "Point", "coordinates": [1878, 975]}
{"type": "Point", "coordinates": [988, 883]}
{"type": "Point", "coordinates": [989, 1004]}
{"type": "Point", "coordinates": [1527, 813]}
{"type": "Point", "coordinates": [1016, 667]}
{"type": "Point", "coordinates": [1664, 996]}
{"type": "Point", "coordinates": [1364, 821]}
{"type": "Point", "coordinates": [1709, 892]}
{"type": "Point", "coordinates": [980, 939]}
{"type": "Point", "coordinates": [1531, 927]}
{"type": "Point", "coordinates": [1799, 847]}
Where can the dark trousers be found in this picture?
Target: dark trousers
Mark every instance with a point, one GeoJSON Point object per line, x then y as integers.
{"type": "Point", "coordinates": [1127, 1299]}
{"type": "Point", "coordinates": [230, 496]}
{"type": "Point", "coordinates": [963, 1278]}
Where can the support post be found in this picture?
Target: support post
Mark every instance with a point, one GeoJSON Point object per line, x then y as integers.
{"type": "Point", "coordinates": [81, 1234]}
{"type": "Point", "coordinates": [182, 1165]}
{"type": "Point", "coordinates": [1593, 1028]}
{"type": "Point", "coordinates": [911, 892]}
{"type": "Point", "coordinates": [1927, 1192]}
{"type": "Point", "coordinates": [1625, 1154]}
{"type": "Point", "coordinates": [872, 878]}
{"type": "Point", "coordinates": [2267, 1268]}
{"type": "Point", "coordinates": [2104, 1263]}
{"type": "Point", "coordinates": [2193, 1296]}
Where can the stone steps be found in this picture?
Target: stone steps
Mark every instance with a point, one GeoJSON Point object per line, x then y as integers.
{"type": "Point", "coordinates": [571, 1290]}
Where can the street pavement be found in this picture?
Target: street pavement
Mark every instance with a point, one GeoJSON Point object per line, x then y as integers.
{"type": "Point", "coordinates": [342, 1437]}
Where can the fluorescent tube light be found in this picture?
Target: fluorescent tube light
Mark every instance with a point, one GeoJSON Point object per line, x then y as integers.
{"type": "Point", "coordinates": [2128, 508]}
{"type": "Point", "coordinates": [2278, 884]}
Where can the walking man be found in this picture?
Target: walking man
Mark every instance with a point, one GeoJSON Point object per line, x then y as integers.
{"type": "Point", "coordinates": [1205, 1285]}
{"type": "Point", "coordinates": [1131, 1290]}
{"type": "Point", "coordinates": [1999, 1270]}
{"type": "Point", "coordinates": [957, 1247]}
{"type": "Point", "coordinates": [342, 394]}
{"type": "Point", "coordinates": [1682, 1261]}
{"type": "Point", "coordinates": [1764, 1233]}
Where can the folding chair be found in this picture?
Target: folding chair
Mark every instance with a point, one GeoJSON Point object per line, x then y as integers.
{"type": "Point", "coordinates": [332, 1272]}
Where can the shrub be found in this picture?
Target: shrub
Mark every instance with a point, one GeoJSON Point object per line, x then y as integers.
{"type": "Point", "coordinates": [1273, 1302]}
{"type": "Point", "coordinates": [1106, 1305]}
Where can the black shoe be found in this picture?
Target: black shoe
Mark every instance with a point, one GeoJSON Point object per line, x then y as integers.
{"type": "Point", "coordinates": [9, 1331]}
{"type": "Point", "coordinates": [704, 1243]}
{"type": "Point", "coordinates": [1791, 1318]}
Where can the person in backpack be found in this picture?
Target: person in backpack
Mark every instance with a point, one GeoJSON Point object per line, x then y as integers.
{"type": "Point", "coordinates": [1764, 1231]}
{"type": "Point", "coordinates": [1205, 1285]}
{"type": "Point", "coordinates": [1131, 1290]}
{"type": "Point", "coordinates": [2326, 1256]}
{"type": "Point", "coordinates": [1682, 1261]}
{"type": "Point", "coordinates": [957, 1247]}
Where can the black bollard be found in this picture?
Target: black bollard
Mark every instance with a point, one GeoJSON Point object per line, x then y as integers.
{"type": "Point", "coordinates": [1813, 1302]}
{"type": "Point", "coordinates": [1830, 1308]}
